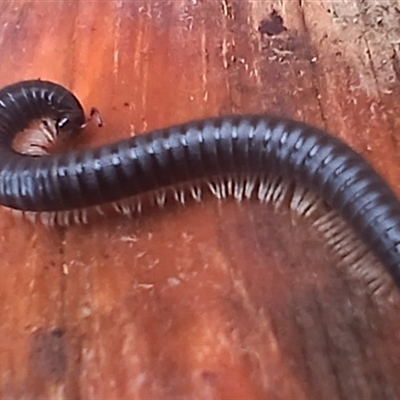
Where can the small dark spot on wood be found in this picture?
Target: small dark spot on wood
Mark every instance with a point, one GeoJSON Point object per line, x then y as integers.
{"type": "Point", "coordinates": [333, 12]}
{"type": "Point", "coordinates": [273, 25]}
{"type": "Point", "coordinates": [396, 66]}
{"type": "Point", "coordinates": [48, 355]}
{"type": "Point", "coordinates": [210, 377]}
{"type": "Point", "coordinates": [126, 104]}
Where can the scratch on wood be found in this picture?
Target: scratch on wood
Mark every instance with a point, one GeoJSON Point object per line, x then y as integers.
{"type": "Point", "coordinates": [204, 58]}
{"type": "Point", "coordinates": [117, 36]}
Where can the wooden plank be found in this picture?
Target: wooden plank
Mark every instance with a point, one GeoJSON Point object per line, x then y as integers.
{"type": "Point", "coordinates": [219, 299]}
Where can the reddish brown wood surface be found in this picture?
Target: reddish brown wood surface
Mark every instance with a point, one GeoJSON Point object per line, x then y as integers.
{"type": "Point", "coordinates": [217, 300]}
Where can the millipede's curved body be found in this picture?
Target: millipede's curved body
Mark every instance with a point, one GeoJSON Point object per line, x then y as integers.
{"type": "Point", "coordinates": [195, 151]}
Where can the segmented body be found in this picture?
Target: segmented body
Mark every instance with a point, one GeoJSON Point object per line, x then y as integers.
{"type": "Point", "coordinates": [191, 152]}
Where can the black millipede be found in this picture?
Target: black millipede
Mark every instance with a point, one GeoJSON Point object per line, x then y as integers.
{"type": "Point", "coordinates": [202, 150]}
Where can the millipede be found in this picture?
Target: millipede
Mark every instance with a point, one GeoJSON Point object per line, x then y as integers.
{"type": "Point", "coordinates": [234, 155]}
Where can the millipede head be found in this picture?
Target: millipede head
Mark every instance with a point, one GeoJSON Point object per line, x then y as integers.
{"type": "Point", "coordinates": [70, 122]}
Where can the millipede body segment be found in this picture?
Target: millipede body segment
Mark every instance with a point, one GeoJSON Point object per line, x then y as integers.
{"type": "Point", "coordinates": [201, 150]}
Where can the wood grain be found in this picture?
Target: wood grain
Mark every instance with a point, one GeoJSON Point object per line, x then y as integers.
{"type": "Point", "coordinates": [216, 300]}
